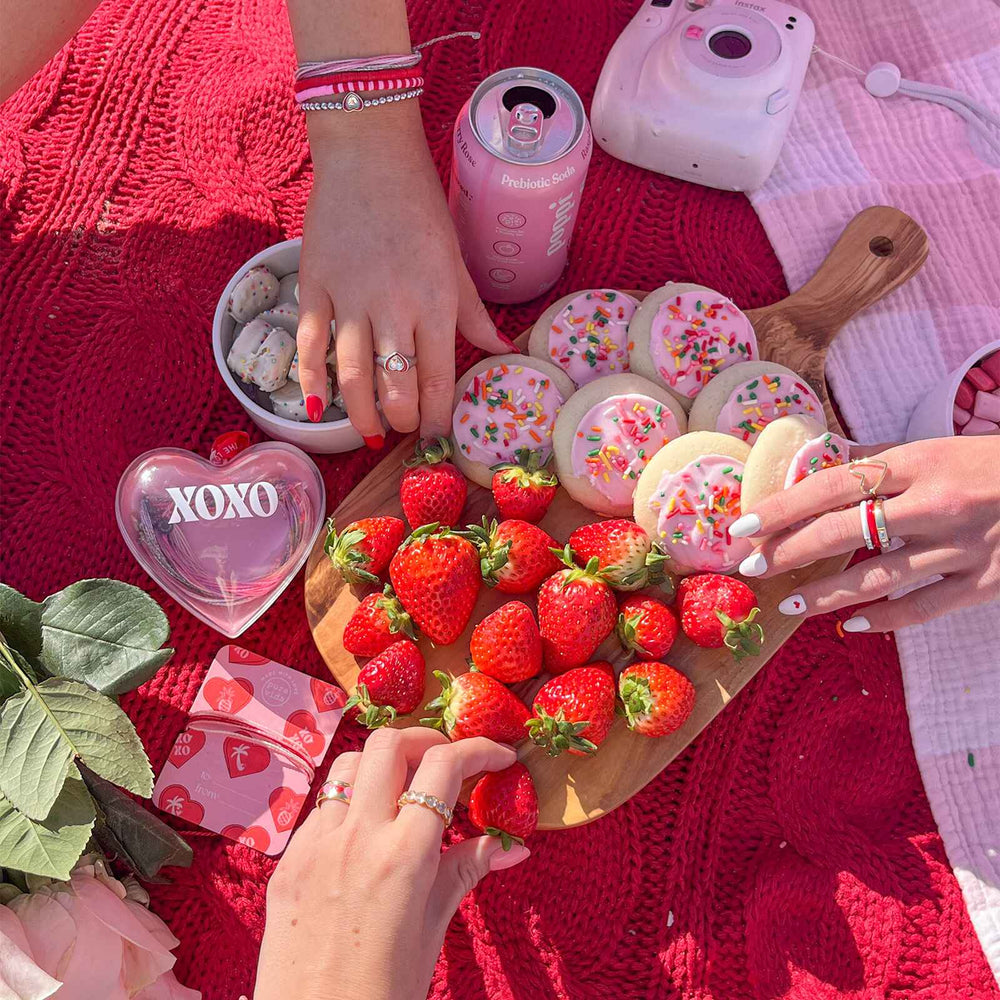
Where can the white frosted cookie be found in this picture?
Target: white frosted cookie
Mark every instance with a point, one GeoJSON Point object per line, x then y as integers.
{"type": "Point", "coordinates": [285, 315]}
{"type": "Point", "coordinates": [503, 404]}
{"type": "Point", "coordinates": [786, 452]}
{"type": "Point", "coordinates": [743, 400]}
{"type": "Point", "coordinates": [288, 401]}
{"type": "Point", "coordinates": [607, 433]}
{"type": "Point", "coordinates": [687, 499]}
{"type": "Point", "coordinates": [262, 354]}
{"type": "Point", "coordinates": [585, 334]}
{"type": "Point", "coordinates": [331, 363]}
{"type": "Point", "coordinates": [683, 335]}
{"type": "Point", "coordinates": [256, 291]}
{"type": "Point", "coordinates": [288, 289]}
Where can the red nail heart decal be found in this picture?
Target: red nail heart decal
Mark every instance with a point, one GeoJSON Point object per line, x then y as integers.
{"type": "Point", "coordinates": [244, 757]}
{"type": "Point", "coordinates": [285, 807]}
{"type": "Point", "coordinates": [253, 836]}
{"type": "Point", "coordinates": [188, 744]}
{"type": "Point", "coordinates": [301, 730]}
{"type": "Point", "coordinates": [176, 800]}
{"type": "Point", "coordinates": [228, 696]}
{"type": "Point", "coordinates": [326, 697]}
{"type": "Point", "coordinates": [237, 654]}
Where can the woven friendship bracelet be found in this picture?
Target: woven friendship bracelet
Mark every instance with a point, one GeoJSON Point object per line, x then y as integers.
{"type": "Point", "coordinates": [325, 86]}
{"type": "Point", "coordinates": [354, 102]}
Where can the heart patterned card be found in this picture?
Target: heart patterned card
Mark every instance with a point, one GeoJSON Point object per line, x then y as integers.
{"type": "Point", "coordinates": [244, 764]}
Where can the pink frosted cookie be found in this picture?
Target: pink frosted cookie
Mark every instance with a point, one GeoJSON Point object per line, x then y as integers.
{"type": "Point", "coordinates": [743, 400]}
{"type": "Point", "coordinates": [683, 335]}
{"type": "Point", "coordinates": [688, 497]}
{"type": "Point", "coordinates": [788, 451]}
{"type": "Point", "coordinates": [503, 404]}
{"type": "Point", "coordinates": [607, 433]}
{"type": "Point", "coordinates": [585, 334]}
{"type": "Point", "coordinates": [256, 291]}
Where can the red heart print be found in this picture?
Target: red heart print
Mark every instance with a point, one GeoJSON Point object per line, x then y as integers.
{"type": "Point", "coordinates": [244, 757]}
{"type": "Point", "coordinates": [228, 696]}
{"type": "Point", "coordinates": [253, 836]}
{"type": "Point", "coordinates": [187, 745]}
{"type": "Point", "coordinates": [237, 654]}
{"type": "Point", "coordinates": [326, 697]}
{"type": "Point", "coordinates": [176, 800]}
{"type": "Point", "coordinates": [285, 807]}
{"type": "Point", "coordinates": [301, 730]}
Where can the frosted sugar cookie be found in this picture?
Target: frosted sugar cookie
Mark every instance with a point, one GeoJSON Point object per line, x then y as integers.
{"type": "Point", "coordinates": [585, 334]}
{"type": "Point", "coordinates": [262, 354]}
{"type": "Point", "coordinates": [688, 497]}
{"type": "Point", "coordinates": [503, 404]}
{"type": "Point", "coordinates": [285, 315]}
{"type": "Point", "coordinates": [288, 401]}
{"type": "Point", "coordinates": [288, 289]}
{"type": "Point", "coordinates": [256, 291]}
{"type": "Point", "coordinates": [331, 363]}
{"type": "Point", "coordinates": [743, 400]}
{"type": "Point", "coordinates": [786, 452]}
{"type": "Point", "coordinates": [607, 433]}
{"type": "Point", "coordinates": [683, 335]}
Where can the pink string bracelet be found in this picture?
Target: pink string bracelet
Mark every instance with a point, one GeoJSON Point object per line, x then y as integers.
{"type": "Point", "coordinates": [325, 86]}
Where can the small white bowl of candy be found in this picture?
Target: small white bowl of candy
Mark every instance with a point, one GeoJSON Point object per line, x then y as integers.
{"type": "Point", "coordinates": [253, 339]}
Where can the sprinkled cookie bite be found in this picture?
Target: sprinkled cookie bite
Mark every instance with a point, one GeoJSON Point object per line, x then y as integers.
{"type": "Point", "coordinates": [502, 404]}
{"type": "Point", "coordinates": [288, 289]}
{"type": "Point", "coordinates": [262, 354]}
{"type": "Point", "coordinates": [683, 335]}
{"type": "Point", "coordinates": [607, 433]}
{"type": "Point", "coordinates": [585, 334]}
{"type": "Point", "coordinates": [688, 497]}
{"type": "Point", "coordinates": [788, 451]}
{"type": "Point", "coordinates": [285, 315]}
{"type": "Point", "coordinates": [288, 401]}
{"type": "Point", "coordinates": [256, 291]}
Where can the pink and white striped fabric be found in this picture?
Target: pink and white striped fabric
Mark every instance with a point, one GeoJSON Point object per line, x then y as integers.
{"type": "Point", "coordinates": [845, 151]}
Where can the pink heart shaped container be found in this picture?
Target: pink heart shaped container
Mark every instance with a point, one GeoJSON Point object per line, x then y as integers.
{"type": "Point", "coordinates": [223, 540]}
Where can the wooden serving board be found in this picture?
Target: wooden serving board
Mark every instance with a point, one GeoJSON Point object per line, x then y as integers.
{"type": "Point", "coordinates": [879, 249]}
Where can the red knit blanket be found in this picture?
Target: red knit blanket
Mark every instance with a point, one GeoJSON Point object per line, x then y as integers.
{"type": "Point", "coordinates": [789, 852]}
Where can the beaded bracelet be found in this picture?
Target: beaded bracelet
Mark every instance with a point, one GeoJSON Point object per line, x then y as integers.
{"type": "Point", "coordinates": [354, 102]}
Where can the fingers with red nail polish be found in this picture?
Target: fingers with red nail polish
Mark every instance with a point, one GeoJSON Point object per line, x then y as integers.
{"type": "Point", "coordinates": [375, 441]}
{"type": "Point", "coordinates": [314, 408]}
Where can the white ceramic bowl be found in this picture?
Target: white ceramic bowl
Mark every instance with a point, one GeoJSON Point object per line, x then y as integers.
{"type": "Point", "coordinates": [322, 438]}
{"type": "Point", "coordinates": [933, 417]}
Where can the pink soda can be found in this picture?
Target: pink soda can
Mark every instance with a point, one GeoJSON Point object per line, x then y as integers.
{"type": "Point", "coordinates": [522, 146]}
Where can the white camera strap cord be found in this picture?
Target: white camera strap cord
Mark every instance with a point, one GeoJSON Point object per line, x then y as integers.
{"type": "Point", "coordinates": [884, 79]}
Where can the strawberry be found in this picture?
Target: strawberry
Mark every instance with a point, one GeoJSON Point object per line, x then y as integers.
{"type": "Point", "coordinates": [361, 552]}
{"type": "Point", "coordinates": [521, 489]}
{"type": "Point", "coordinates": [574, 711]}
{"type": "Point", "coordinates": [515, 556]}
{"type": "Point", "coordinates": [391, 684]}
{"type": "Point", "coordinates": [504, 804]}
{"type": "Point", "coordinates": [475, 704]}
{"type": "Point", "coordinates": [576, 612]}
{"type": "Point", "coordinates": [506, 644]}
{"type": "Point", "coordinates": [718, 611]}
{"type": "Point", "coordinates": [432, 489]}
{"type": "Point", "coordinates": [623, 551]}
{"type": "Point", "coordinates": [436, 577]}
{"type": "Point", "coordinates": [647, 626]}
{"type": "Point", "coordinates": [657, 698]}
{"type": "Point", "coordinates": [378, 621]}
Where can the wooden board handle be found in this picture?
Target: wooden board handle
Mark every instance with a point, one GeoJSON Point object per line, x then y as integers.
{"type": "Point", "coordinates": [879, 249]}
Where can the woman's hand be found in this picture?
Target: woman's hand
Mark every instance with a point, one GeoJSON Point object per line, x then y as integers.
{"type": "Point", "coordinates": [380, 255]}
{"type": "Point", "coordinates": [359, 905]}
{"type": "Point", "coordinates": [943, 500]}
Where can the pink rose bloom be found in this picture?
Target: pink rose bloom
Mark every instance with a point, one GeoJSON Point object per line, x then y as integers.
{"type": "Point", "coordinates": [88, 938]}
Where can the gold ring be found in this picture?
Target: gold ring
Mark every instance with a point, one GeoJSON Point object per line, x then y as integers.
{"type": "Point", "coordinates": [854, 466]}
{"type": "Point", "coordinates": [335, 790]}
{"type": "Point", "coordinates": [883, 533]}
{"type": "Point", "coordinates": [432, 802]}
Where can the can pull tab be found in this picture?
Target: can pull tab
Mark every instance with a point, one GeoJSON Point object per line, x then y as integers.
{"type": "Point", "coordinates": [524, 129]}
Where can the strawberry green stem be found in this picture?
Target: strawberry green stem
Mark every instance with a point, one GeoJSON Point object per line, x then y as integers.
{"type": "Point", "coordinates": [743, 638]}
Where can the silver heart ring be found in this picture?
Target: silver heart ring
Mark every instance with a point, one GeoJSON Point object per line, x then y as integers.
{"type": "Point", "coordinates": [396, 363]}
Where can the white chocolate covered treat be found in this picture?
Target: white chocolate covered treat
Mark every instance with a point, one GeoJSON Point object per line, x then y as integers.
{"type": "Point", "coordinates": [585, 334]}
{"type": "Point", "coordinates": [688, 497]}
{"type": "Point", "coordinates": [262, 354]}
{"type": "Point", "coordinates": [288, 289]}
{"type": "Point", "coordinates": [331, 363]}
{"type": "Point", "coordinates": [288, 401]}
{"type": "Point", "coordinates": [256, 291]}
{"type": "Point", "coordinates": [503, 404]}
{"type": "Point", "coordinates": [683, 335]}
{"type": "Point", "coordinates": [285, 315]}
{"type": "Point", "coordinates": [743, 400]}
{"type": "Point", "coordinates": [607, 433]}
{"type": "Point", "coordinates": [788, 451]}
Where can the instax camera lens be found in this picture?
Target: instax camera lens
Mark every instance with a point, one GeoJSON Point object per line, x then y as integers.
{"type": "Point", "coordinates": [730, 44]}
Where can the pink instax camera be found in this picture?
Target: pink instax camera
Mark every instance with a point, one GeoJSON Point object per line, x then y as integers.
{"type": "Point", "coordinates": [704, 91]}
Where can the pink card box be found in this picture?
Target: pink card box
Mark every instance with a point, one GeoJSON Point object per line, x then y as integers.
{"type": "Point", "coordinates": [244, 764]}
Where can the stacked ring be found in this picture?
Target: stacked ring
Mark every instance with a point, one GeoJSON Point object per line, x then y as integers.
{"type": "Point", "coordinates": [335, 790]}
{"type": "Point", "coordinates": [432, 802]}
{"type": "Point", "coordinates": [869, 530]}
{"type": "Point", "coordinates": [880, 529]}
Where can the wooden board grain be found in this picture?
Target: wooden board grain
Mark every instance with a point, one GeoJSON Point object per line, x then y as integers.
{"type": "Point", "coordinates": [879, 249]}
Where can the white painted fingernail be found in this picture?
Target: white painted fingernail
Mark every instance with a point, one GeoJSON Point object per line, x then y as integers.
{"type": "Point", "coordinates": [754, 564]}
{"type": "Point", "coordinates": [793, 605]}
{"type": "Point", "coordinates": [857, 624]}
{"type": "Point", "coordinates": [748, 524]}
